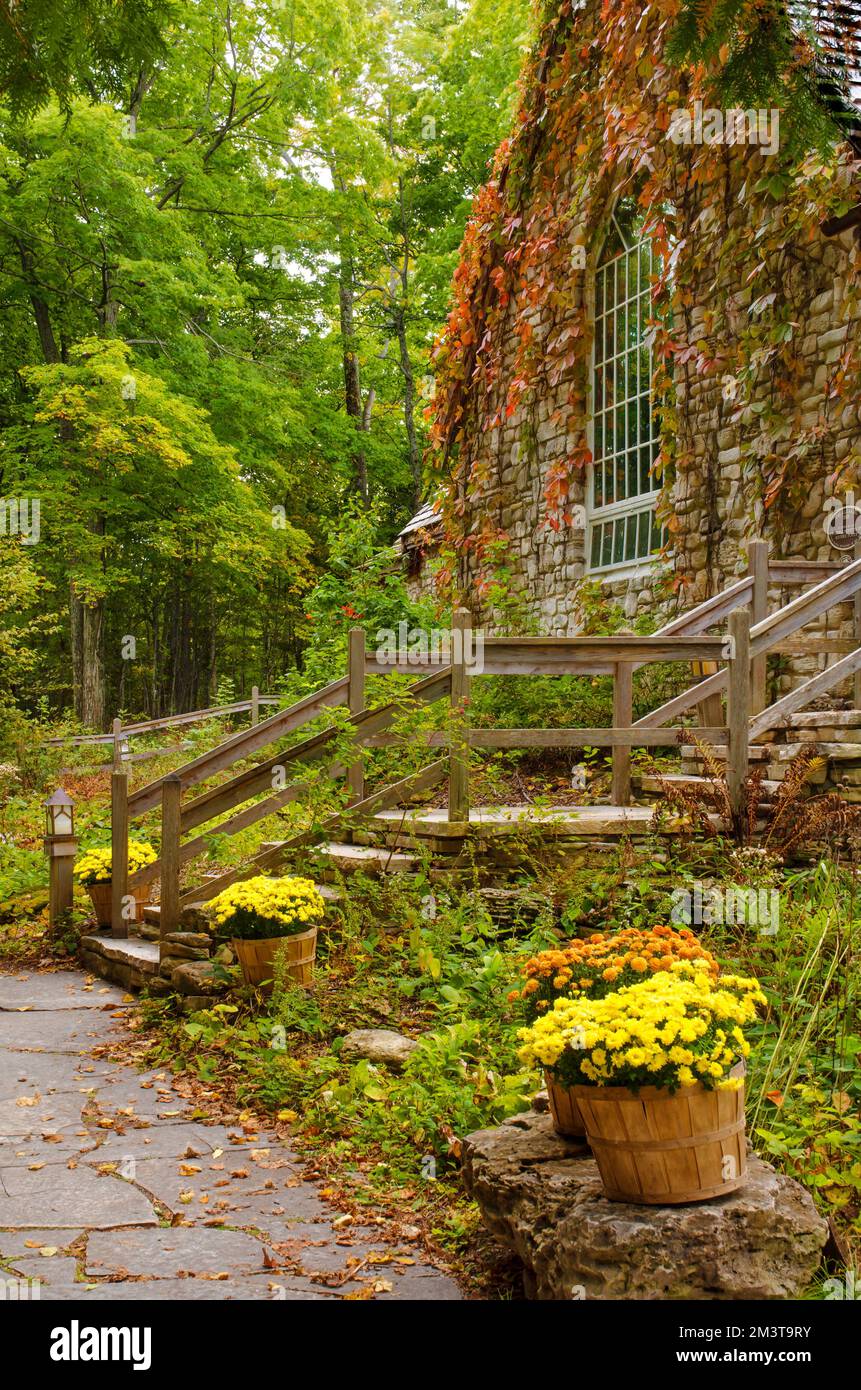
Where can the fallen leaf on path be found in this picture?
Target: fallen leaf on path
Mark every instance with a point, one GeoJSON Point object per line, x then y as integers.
{"type": "Point", "coordinates": [48, 1250]}
{"type": "Point", "coordinates": [188, 1170]}
{"type": "Point", "coordinates": [34, 1167]}
{"type": "Point", "coordinates": [186, 1196]}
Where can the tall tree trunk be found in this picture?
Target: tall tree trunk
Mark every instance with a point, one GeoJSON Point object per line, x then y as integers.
{"type": "Point", "coordinates": [399, 318]}
{"type": "Point", "coordinates": [93, 673]}
{"type": "Point", "coordinates": [350, 357]}
{"type": "Point", "coordinates": [90, 622]}
{"type": "Point", "coordinates": [76, 641]}
{"type": "Point", "coordinates": [213, 653]}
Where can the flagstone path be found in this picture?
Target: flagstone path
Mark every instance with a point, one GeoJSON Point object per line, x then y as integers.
{"type": "Point", "coordinates": [114, 1186]}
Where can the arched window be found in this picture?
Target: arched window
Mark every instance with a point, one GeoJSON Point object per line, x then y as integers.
{"type": "Point", "coordinates": [621, 492]}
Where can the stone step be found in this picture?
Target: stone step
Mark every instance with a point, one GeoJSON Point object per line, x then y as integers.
{"type": "Point", "coordinates": [132, 950]}
{"type": "Point", "coordinates": [690, 780]}
{"type": "Point", "coordinates": [350, 856]}
{"type": "Point", "coordinates": [370, 858]}
{"type": "Point", "coordinates": [130, 962]}
{"type": "Point", "coordinates": [394, 839]}
{"type": "Point", "coordinates": [548, 822]}
{"type": "Point", "coordinates": [152, 911]}
{"type": "Point", "coordinates": [822, 733]}
{"type": "Point", "coordinates": [836, 752]}
{"type": "Point", "coordinates": [830, 718]}
{"type": "Point", "coordinates": [718, 751]}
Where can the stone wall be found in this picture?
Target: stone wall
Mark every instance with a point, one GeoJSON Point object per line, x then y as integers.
{"type": "Point", "coordinates": [714, 524]}
{"type": "Point", "coordinates": [716, 493]}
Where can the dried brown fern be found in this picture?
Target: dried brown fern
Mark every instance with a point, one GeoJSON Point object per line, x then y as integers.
{"type": "Point", "coordinates": [793, 818]}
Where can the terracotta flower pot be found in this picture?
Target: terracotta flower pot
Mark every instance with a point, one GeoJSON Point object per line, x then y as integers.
{"type": "Point", "coordinates": [257, 957]}
{"type": "Point", "coordinates": [655, 1147]}
{"type": "Point", "coordinates": [567, 1119]}
{"type": "Point", "coordinates": [100, 894]}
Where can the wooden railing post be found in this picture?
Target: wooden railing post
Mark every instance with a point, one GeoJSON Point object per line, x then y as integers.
{"type": "Point", "coordinates": [356, 673]}
{"type": "Point", "coordinates": [117, 730]}
{"type": "Point", "coordinates": [255, 705]}
{"type": "Point", "coordinates": [757, 563]}
{"type": "Point", "coordinates": [738, 708]}
{"type": "Point", "coordinates": [458, 767]}
{"type": "Point", "coordinates": [119, 849]}
{"type": "Point", "coordinates": [623, 717]}
{"type": "Point", "coordinates": [171, 796]}
{"type": "Point", "coordinates": [856, 631]}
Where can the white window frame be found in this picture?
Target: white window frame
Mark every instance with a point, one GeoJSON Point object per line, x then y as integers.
{"type": "Point", "coordinates": [628, 506]}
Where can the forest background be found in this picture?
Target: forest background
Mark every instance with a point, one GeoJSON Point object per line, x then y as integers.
{"type": "Point", "coordinates": [227, 236]}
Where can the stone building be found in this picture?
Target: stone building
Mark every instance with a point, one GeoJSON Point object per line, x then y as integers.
{"type": "Point", "coordinates": [654, 353]}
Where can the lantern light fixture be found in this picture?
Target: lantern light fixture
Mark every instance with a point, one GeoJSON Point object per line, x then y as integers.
{"type": "Point", "coordinates": [59, 815]}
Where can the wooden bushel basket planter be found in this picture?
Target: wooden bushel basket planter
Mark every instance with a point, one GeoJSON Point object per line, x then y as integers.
{"type": "Point", "coordinates": [257, 957]}
{"type": "Point", "coordinates": [657, 1148]}
{"type": "Point", "coordinates": [567, 1119]}
{"type": "Point", "coordinates": [100, 894]}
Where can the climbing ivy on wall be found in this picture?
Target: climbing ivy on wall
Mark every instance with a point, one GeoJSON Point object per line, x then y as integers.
{"type": "Point", "coordinates": [733, 226]}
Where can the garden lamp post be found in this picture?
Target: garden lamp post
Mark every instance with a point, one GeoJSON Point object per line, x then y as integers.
{"type": "Point", "coordinates": [61, 848]}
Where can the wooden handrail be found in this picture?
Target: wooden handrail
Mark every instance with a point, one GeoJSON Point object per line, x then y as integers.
{"type": "Point", "coordinates": [245, 742]}
{"type": "Point", "coordinates": [802, 571]}
{"type": "Point", "coordinates": [560, 655]}
{"type": "Point", "coordinates": [776, 715]}
{"type": "Point", "coordinates": [366, 725]}
{"type": "Point", "coordinates": [392, 795]}
{"type": "Point", "coordinates": [766, 635]}
{"type": "Point", "coordinates": [711, 610]}
{"type": "Point", "coordinates": [630, 737]}
{"type": "Point", "coordinates": [169, 721]}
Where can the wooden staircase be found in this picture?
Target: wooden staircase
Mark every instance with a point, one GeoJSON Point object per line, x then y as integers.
{"type": "Point", "coordinates": [376, 833]}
